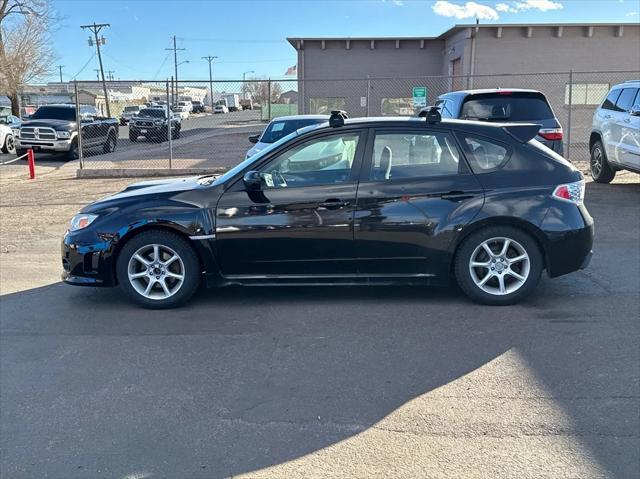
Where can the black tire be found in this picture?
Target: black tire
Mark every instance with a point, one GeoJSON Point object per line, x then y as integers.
{"type": "Point", "coordinates": [110, 144]}
{"type": "Point", "coordinates": [20, 151]}
{"type": "Point", "coordinates": [72, 154]}
{"type": "Point", "coordinates": [518, 238]}
{"type": "Point", "coordinates": [192, 269]}
{"type": "Point", "coordinates": [9, 145]}
{"type": "Point", "coordinates": [176, 133]}
{"type": "Point", "coordinates": [599, 167]}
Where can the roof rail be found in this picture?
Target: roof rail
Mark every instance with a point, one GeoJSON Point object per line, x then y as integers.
{"type": "Point", "coordinates": [431, 114]}
{"type": "Point", "coordinates": [337, 118]}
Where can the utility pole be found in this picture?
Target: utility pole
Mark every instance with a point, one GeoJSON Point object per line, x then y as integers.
{"type": "Point", "coordinates": [175, 66]}
{"type": "Point", "coordinates": [95, 29]}
{"type": "Point", "coordinates": [110, 74]}
{"type": "Point", "coordinates": [60, 68]}
{"type": "Point", "coordinates": [97, 70]}
{"type": "Point", "coordinates": [210, 60]}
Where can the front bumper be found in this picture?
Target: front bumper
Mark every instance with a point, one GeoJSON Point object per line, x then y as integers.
{"type": "Point", "coordinates": [44, 145]}
{"type": "Point", "coordinates": [86, 262]}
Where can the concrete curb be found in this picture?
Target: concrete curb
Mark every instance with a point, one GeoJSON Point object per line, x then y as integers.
{"type": "Point", "coordinates": [145, 172]}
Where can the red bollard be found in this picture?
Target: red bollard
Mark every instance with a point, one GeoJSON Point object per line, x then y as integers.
{"type": "Point", "coordinates": [32, 164]}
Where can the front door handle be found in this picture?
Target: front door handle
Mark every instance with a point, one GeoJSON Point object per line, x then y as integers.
{"type": "Point", "coordinates": [333, 204]}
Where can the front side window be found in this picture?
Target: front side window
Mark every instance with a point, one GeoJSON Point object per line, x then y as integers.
{"type": "Point", "coordinates": [484, 154]}
{"type": "Point", "coordinates": [625, 100]}
{"type": "Point", "coordinates": [322, 161]}
{"type": "Point", "coordinates": [413, 155]}
{"type": "Point", "coordinates": [610, 102]}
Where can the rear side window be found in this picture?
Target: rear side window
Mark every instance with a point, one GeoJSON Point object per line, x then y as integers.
{"type": "Point", "coordinates": [506, 106]}
{"type": "Point", "coordinates": [625, 100]}
{"type": "Point", "coordinates": [610, 102]}
{"type": "Point", "coordinates": [485, 155]}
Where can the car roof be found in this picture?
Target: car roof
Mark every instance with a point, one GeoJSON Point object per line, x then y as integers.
{"type": "Point", "coordinates": [65, 105]}
{"type": "Point", "coordinates": [488, 90]}
{"type": "Point", "coordinates": [627, 84]}
{"type": "Point", "coordinates": [301, 117]}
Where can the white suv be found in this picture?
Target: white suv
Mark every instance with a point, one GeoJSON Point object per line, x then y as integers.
{"type": "Point", "coordinates": [615, 133]}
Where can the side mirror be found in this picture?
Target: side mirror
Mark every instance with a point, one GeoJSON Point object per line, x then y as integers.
{"type": "Point", "coordinates": [635, 110]}
{"type": "Point", "coordinates": [252, 181]}
{"type": "Point", "coordinates": [254, 138]}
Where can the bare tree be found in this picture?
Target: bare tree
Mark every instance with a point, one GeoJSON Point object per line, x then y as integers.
{"type": "Point", "coordinates": [25, 51]}
{"type": "Point", "coordinates": [258, 89]}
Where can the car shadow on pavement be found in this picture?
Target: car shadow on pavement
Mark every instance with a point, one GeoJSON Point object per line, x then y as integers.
{"type": "Point", "coordinates": [247, 378]}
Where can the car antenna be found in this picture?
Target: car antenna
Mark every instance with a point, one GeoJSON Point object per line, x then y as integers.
{"type": "Point", "coordinates": [337, 118]}
{"type": "Point", "coordinates": [431, 114]}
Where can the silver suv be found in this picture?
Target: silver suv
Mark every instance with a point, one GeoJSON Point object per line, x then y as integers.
{"type": "Point", "coordinates": [615, 133]}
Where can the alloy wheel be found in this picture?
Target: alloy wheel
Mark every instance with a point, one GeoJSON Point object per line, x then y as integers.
{"type": "Point", "coordinates": [499, 266]}
{"type": "Point", "coordinates": [156, 271]}
{"type": "Point", "coordinates": [596, 162]}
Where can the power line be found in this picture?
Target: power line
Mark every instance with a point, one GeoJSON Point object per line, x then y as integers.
{"type": "Point", "coordinates": [84, 66]}
{"type": "Point", "coordinates": [161, 66]}
{"type": "Point", "coordinates": [95, 29]}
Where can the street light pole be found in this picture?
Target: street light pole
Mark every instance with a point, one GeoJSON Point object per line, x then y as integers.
{"type": "Point", "coordinates": [210, 60]}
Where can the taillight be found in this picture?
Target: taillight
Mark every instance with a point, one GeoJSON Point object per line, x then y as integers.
{"type": "Point", "coordinates": [551, 134]}
{"type": "Point", "coordinates": [570, 192]}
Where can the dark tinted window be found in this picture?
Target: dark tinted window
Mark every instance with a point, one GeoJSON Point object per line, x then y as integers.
{"type": "Point", "coordinates": [413, 155]}
{"type": "Point", "coordinates": [506, 106]}
{"type": "Point", "coordinates": [610, 102]}
{"type": "Point", "coordinates": [625, 100]}
{"type": "Point", "coordinates": [280, 129]}
{"type": "Point", "coordinates": [55, 113]}
{"type": "Point", "coordinates": [484, 154]}
{"type": "Point", "coordinates": [152, 112]}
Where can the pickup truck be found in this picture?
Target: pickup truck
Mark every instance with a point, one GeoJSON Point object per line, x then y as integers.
{"type": "Point", "coordinates": [152, 124]}
{"type": "Point", "coordinates": [53, 129]}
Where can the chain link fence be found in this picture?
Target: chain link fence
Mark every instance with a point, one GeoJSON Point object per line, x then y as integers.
{"type": "Point", "coordinates": [214, 119]}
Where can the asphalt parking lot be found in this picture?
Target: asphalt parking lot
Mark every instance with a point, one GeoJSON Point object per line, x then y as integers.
{"type": "Point", "coordinates": [316, 382]}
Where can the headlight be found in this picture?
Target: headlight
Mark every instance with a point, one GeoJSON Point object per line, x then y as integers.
{"type": "Point", "coordinates": [16, 132]}
{"type": "Point", "coordinates": [81, 220]}
{"type": "Point", "coordinates": [63, 134]}
{"type": "Point", "coordinates": [158, 122]}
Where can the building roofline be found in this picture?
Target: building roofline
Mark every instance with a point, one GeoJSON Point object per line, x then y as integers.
{"type": "Point", "coordinates": [461, 26]}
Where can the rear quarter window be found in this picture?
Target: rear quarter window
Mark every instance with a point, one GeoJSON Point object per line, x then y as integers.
{"type": "Point", "coordinates": [484, 154]}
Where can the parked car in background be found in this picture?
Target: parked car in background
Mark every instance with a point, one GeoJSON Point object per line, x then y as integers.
{"type": "Point", "coordinates": [152, 123]}
{"type": "Point", "coordinates": [364, 201]}
{"type": "Point", "coordinates": [197, 107]}
{"type": "Point", "coordinates": [220, 108]}
{"type": "Point", "coordinates": [7, 141]}
{"type": "Point", "coordinates": [281, 127]}
{"type": "Point", "coordinates": [615, 133]}
{"type": "Point", "coordinates": [181, 111]}
{"type": "Point", "coordinates": [53, 129]}
{"type": "Point", "coordinates": [501, 105]}
{"type": "Point", "coordinates": [129, 112]}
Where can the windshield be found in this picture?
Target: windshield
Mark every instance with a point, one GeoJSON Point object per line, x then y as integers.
{"type": "Point", "coordinates": [241, 166]}
{"type": "Point", "coordinates": [279, 129]}
{"type": "Point", "coordinates": [152, 112]}
{"type": "Point", "coordinates": [131, 108]}
{"type": "Point", "coordinates": [507, 106]}
{"type": "Point", "coordinates": [54, 113]}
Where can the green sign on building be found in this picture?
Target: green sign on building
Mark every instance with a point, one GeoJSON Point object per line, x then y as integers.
{"type": "Point", "coordinates": [419, 96]}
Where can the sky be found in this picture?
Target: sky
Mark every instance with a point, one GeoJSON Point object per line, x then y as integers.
{"type": "Point", "coordinates": [251, 35]}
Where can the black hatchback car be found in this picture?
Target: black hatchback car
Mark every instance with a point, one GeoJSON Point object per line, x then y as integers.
{"type": "Point", "coordinates": [364, 201]}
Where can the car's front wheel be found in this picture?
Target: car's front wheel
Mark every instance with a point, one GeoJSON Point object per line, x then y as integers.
{"type": "Point", "coordinates": [498, 265]}
{"type": "Point", "coordinates": [601, 171]}
{"type": "Point", "coordinates": [158, 269]}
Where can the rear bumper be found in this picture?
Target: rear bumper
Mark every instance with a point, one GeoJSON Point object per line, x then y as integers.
{"type": "Point", "coordinates": [570, 250]}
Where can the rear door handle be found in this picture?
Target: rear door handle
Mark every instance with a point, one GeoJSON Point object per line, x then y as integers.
{"type": "Point", "coordinates": [333, 204]}
{"type": "Point", "coordinates": [456, 195]}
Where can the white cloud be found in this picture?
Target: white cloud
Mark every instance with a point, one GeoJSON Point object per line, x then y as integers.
{"type": "Point", "coordinates": [542, 5]}
{"type": "Point", "coordinates": [632, 14]}
{"type": "Point", "coordinates": [503, 7]}
{"type": "Point", "coordinates": [468, 10]}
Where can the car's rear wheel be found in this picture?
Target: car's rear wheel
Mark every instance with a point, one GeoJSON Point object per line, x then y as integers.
{"type": "Point", "coordinates": [498, 265]}
{"type": "Point", "coordinates": [158, 269]}
{"type": "Point", "coordinates": [601, 171]}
